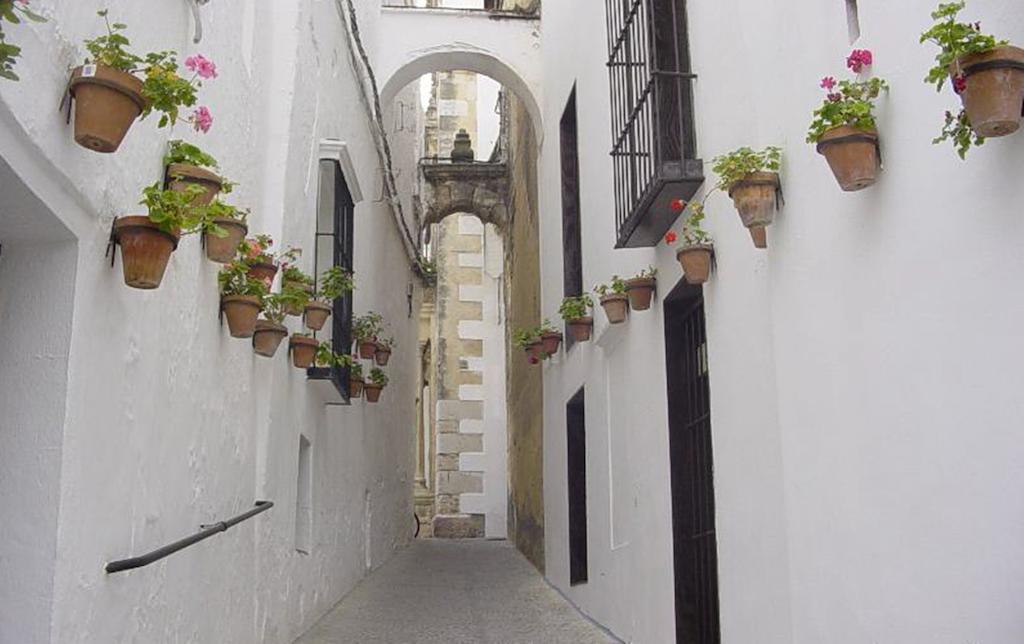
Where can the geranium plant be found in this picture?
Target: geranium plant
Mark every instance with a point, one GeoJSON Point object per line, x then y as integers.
{"type": "Point", "coordinates": [846, 103]}
{"type": "Point", "coordinates": [525, 338]}
{"type": "Point", "coordinates": [181, 153]}
{"type": "Point", "coordinates": [164, 88]}
{"type": "Point", "coordinates": [274, 307]}
{"type": "Point", "coordinates": [368, 326]}
{"type": "Point", "coordinates": [175, 211]}
{"type": "Point", "coordinates": [256, 250]}
{"type": "Point", "coordinates": [234, 279]}
{"type": "Point", "coordinates": [616, 287]}
{"type": "Point", "coordinates": [956, 40]}
{"type": "Point", "coordinates": [733, 167]}
{"type": "Point", "coordinates": [576, 307]}
{"type": "Point", "coordinates": [220, 210]}
{"type": "Point", "coordinates": [9, 11]}
{"type": "Point", "coordinates": [378, 378]}
{"type": "Point", "coordinates": [335, 282]}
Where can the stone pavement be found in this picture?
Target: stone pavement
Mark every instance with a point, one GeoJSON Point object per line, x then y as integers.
{"type": "Point", "coordinates": [455, 592]}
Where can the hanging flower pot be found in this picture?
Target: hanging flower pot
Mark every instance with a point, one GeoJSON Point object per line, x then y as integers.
{"type": "Point", "coordinates": [317, 314]}
{"type": "Point", "coordinates": [382, 355]}
{"type": "Point", "coordinates": [616, 307]}
{"type": "Point", "coordinates": [267, 337]}
{"type": "Point", "coordinates": [852, 154]}
{"type": "Point", "coordinates": [372, 392]}
{"type": "Point", "coordinates": [222, 249]}
{"type": "Point", "coordinates": [641, 290]}
{"type": "Point", "coordinates": [355, 387]}
{"type": "Point", "coordinates": [303, 348]}
{"type": "Point", "coordinates": [241, 312]}
{"type": "Point", "coordinates": [265, 271]}
{"type": "Point", "coordinates": [145, 250]}
{"type": "Point", "coordinates": [755, 199]}
{"type": "Point", "coordinates": [991, 87]}
{"type": "Point", "coordinates": [696, 262]}
{"type": "Point", "coordinates": [581, 328]}
{"type": "Point", "coordinates": [107, 102]}
{"type": "Point", "coordinates": [550, 341]}
{"type": "Point", "coordinates": [367, 348]}
{"type": "Point", "coordinates": [182, 175]}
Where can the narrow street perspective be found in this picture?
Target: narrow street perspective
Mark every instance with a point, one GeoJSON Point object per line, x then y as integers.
{"type": "Point", "coordinates": [455, 592]}
{"type": "Point", "coordinates": [511, 322]}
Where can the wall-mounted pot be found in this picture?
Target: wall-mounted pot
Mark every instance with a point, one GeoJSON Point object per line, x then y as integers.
{"type": "Point", "coordinates": [696, 262]}
{"type": "Point", "coordinates": [241, 312]}
{"type": "Point", "coordinates": [641, 292]}
{"type": "Point", "coordinates": [581, 328]}
{"type": "Point", "coordinates": [994, 91]}
{"type": "Point", "coordinates": [267, 337]}
{"type": "Point", "coordinates": [107, 102]}
{"type": "Point", "coordinates": [852, 154]}
{"type": "Point", "coordinates": [145, 250]}
{"type": "Point", "coordinates": [372, 392]}
{"type": "Point", "coordinates": [616, 307]}
{"type": "Point", "coordinates": [223, 249]}
{"type": "Point", "coordinates": [755, 198]}
{"type": "Point", "coordinates": [317, 314]}
{"type": "Point", "coordinates": [303, 348]}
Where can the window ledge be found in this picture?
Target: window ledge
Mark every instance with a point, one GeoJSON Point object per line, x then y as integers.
{"type": "Point", "coordinates": [326, 384]}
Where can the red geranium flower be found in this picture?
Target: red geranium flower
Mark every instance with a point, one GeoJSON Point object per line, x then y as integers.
{"type": "Point", "coordinates": [671, 237]}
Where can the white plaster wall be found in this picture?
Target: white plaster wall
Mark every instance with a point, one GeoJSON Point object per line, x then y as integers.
{"type": "Point", "coordinates": [864, 369]}
{"type": "Point", "coordinates": [170, 423]}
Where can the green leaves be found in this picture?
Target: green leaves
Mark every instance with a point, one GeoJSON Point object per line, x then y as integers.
{"type": "Point", "coordinates": [234, 279]}
{"type": "Point", "coordinates": [335, 282]}
{"type": "Point", "coordinates": [955, 40]}
{"type": "Point", "coordinates": [176, 211]}
{"type": "Point", "coordinates": [179, 151]}
{"type": "Point", "coordinates": [9, 54]}
{"type": "Point", "coordinates": [734, 166]}
{"type": "Point", "coordinates": [617, 286]}
{"type": "Point", "coordinates": [957, 129]}
{"type": "Point", "coordinates": [853, 104]}
{"type": "Point", "coordinates": [693, 231]}
{"type": "Point", "coordinates": [112, 49]}
{"type": "Point", "coordinates": [368, 327]}
{"type": "Point", "coordinates": [574, 308]}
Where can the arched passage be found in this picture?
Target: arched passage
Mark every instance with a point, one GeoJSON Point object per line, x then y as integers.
{"type": "Point", "coordinates": [472, 60]}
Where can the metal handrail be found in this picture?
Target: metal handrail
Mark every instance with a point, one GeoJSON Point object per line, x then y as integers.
{"type": "Point", "coordinates": [206, 531]}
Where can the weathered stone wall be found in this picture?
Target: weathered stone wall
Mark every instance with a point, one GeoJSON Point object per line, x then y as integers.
{"type": "Point", "coordinates": [524, 384]}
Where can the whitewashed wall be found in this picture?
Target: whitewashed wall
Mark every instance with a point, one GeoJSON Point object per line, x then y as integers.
{"type": "Point", "coordinates": [865, 369]}
{"type": "Point", "coordinates": [169, 422]}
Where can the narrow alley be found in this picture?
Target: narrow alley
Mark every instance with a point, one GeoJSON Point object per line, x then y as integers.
{"type": "Point", "coordinates": [455, 592]}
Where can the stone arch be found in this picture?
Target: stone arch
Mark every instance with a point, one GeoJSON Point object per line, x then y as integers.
{"type": "Point", "coordinates": [478, 189]}
{"type": "Point", "coordinates": [472, 60]}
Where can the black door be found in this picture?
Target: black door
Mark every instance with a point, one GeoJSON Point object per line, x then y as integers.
{"type": "Point", "coordinates": [693, 490]}
{"type": "Point", "coordinates": [576, 435]}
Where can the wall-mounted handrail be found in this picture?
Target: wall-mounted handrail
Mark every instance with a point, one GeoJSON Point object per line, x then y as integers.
{"type": "Point", "coordinates": [206, 531]}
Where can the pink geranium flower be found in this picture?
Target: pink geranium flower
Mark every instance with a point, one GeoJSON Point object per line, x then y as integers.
{"type": "Point", "coordinates": [828, 82]}
{"type": "Point", "coordinates": [858, 59]}
{"type": "Point", "coordinates": [202, 120]}
{"type": "Point", "coordinates": [202, 66]}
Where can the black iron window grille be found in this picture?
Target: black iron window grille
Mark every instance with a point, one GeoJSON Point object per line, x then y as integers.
{"type": "Point", "coordinates": [653, 149]}
{"type": "Point", "coordinates": [334, 234]}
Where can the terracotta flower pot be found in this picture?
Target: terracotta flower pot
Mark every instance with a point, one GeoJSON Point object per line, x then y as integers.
{"type": "Point", "coordinates": [641, 292]}
{"type": "Point", "coordinates": [264, 271]}
{"type": "Point", "coordinates": [382, 356]}
{"type": "Point", "coordinates": [535, 352]}
{"type": "Point", "coordinates": [550, 342]}
{"type": "Point", "coordinates": [267, 337]}
{"type": "Point", "coordinates": [755, 199]}
{"type": "Point", "coordinates": [355, 388]}
{"type": "Point", "coordinates": [853, 156]}
{"type": "Point", "coordinates": [616, 307]}
{"type": "Point", "coordinates": [107, 102]}
{"type": "Point", "coordinates": [145, 250]}
{"type": "Point", "coordinates": [372, 392]}
{"type": "Point", "coordinates": [317, 314]}
{"type": "Point", "coordinates": [367, 349]}
{"type": "Point", "coordinates": [241, 312]}
{"type": "Point", "coordinates": [696, 262]}
{"type": "Point", "coordinates": [994, 95]}
{"type": "Point", "coordinates": [581, 329]}
{"type": "Point", "coordinates": [182, 175]}
{"type": "Point", "coordinates": [223, 249]}
{"type": "Point", "coordinates": [303, 350]}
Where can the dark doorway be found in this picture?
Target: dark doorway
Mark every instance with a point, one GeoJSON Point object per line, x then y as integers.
{"type": "Point", "coordinates": [576, 431]}
{"type": "Point", "coordinates": [693, 488]}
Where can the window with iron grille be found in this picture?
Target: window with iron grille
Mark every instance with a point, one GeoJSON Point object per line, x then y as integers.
{"type": "Point", "coordinates": [653, 147]}
{"type": "Point", "coordinates": [334, 232]}
{"type": "Point", "coordinates": [572, 244]}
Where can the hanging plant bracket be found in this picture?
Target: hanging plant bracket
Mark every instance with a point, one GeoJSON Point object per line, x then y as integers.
{"type": "Point", "coordinates": [195, 5]}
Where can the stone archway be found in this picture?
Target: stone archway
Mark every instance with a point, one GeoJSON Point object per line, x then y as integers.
{"type": "Point", "coordinates": [478, 188]}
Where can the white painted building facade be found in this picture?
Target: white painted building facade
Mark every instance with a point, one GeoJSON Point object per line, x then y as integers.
{"type": "Point", "coordinates": [129, 418]}
{"type": "Point", "coordinates": [864, 369]}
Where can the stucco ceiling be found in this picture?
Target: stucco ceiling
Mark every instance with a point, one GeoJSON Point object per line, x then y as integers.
{"type": "Point", "coordinates": [23, 217]}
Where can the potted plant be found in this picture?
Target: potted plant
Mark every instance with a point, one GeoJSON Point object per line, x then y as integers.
{"type": "Point", "coordinates": [186, 164]}
{"type": "Point", "coordinates": [147, 241]}
{"type": "Point", "coordinates": [641, 289]}
{"type": "Point", "coordinates": [382, 355]}
{"type": "Point", "coordinates": [614, 299]}
{"type": "Point", "coordinates": [334, 283]}
{"type": "Point", "coordinates": [550, 339]}
{"type": "Point", "coordinates": [303, 347]}
{"type": "Point", "coordinates": [373, 388]}
{"type": "Point", "coordinates": [751, 179]}
{"type": "Point", "coordinates": [261, 262]}
{"type": "Point", "coordinates": [241, 298]}
{"type": "Point", "coordinates": [226, 230]}
{"type": "Point", "coordinates": [298, 285]}
{"type": "Point", "coordinates": [9, 10]}
{"type": "Point", "coordinates": [844, 127]}
{"type": "Point", "coordinates": [529, 340]}
{"type": "Point", "coordinates": [697, 250]}
{"type": "Point", "coordinates": [355, 375]}
{"type": "Point", "coordinates": [986, 73]}
{"type": "Point", "coordinates": [365, 330]}
{"type": "Point", "coordinates": [109, 96]}
{"type": "Point", "coordinates": [270, 329]}
{"type": "Point", "coordinates": [575, 310]}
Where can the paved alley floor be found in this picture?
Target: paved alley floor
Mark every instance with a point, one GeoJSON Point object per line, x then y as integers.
{"type": "Point", "coordinates": [455, 592]}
